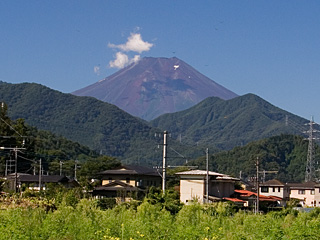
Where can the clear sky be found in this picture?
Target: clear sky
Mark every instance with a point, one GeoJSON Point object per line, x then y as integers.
{"type": "Point", "coordinates": [270, 48]}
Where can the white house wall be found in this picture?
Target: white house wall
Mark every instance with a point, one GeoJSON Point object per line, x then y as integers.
{"type": "Point", "coordinates": [307, 199]}
{"type": "Point", "coordinates": [274, 191]}
{"type": "Point", "coordinates": [191, 189]}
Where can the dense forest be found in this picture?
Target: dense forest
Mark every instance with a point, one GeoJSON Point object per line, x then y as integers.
{"type": "Point", "coordinates": [286, 154]}
{"type": "Point", "coordinates": [225, 124]}
{"type": "Point", "coordinates": [101, 126]}
{"type": "Point", "coordinates": [56, 152]}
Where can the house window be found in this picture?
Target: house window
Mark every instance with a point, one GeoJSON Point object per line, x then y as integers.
{"type": "Point", "coordinates": [301, 192]}
{"type": "Point", "coordinates": [264, 189]}
{"type": "Point", "coordinates": [278, 189]}
{"type": "Point", "coordinates": [273, 189]}
{"type": "Point", "coordinates": [127, 180]}
{"type": "Point", "coordinates": [139, 183]}
{"type": "Point", "coordinates": [312, 192]}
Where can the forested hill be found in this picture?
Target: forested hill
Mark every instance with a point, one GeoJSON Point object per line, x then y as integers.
{"type": "Point", "coordinates": [54, 151]}
{"type": "Point", "coordinates": [101, 126]}
{"type": "Point", "coordinates": [228, 123]}
{"type": "Point", "coordinates": [286, 154]}
{"type": "Point", "coordinates": [214, 123]}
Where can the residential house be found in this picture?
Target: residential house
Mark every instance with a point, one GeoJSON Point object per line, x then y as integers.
{"type": "Point", "coordinates": [250, 199]}
{"type": "Point", "coordinates": [32, 181]}
{"type": "Point", "coordinates": [193, 186]}
{"type": "Point", "coordinates": [306, 193]}
{"type": "Point", "coordinates": [127, 181]}
{"type": "Point", "coordinates": [277, 189]}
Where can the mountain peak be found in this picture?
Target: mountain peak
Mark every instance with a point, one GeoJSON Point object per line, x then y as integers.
{"type": "Point", "coordinates": [154, 86]}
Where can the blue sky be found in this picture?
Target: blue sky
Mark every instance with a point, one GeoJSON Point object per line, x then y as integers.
{"type": "Point", "coordinates": [269, 48]}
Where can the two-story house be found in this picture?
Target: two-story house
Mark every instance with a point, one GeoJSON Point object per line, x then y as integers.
{"type": "Point", "coordinates": [277, 189]}
{"type": "Point", "coordinates": [193, 186]}
{"type": "Point", "coordinates": [308, 193]}
{"type": "Point", "coordinates": [127, 181]}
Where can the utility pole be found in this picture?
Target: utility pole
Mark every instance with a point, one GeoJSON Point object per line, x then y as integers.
{"type": "Point", "coordinates": [60, 163]}
{"type": "Point", "coordinates": [207, 177]}
{"type": "Point", "coordinates": [16, 170]}
{"type": "Point", "coordinates": [264, 174]}
{"type": "Point", "coordinates": [257, 167]}
{"type": "Point", "coordinates": [165, 133]}
{"type": "Point", "coordinates": [75, 169]}
{"type": "Point", "coordinates": [310, 167]}
{"type": "Point", "coordinates": [40, 174]}
{"type": "Point", "coordinates": [15, 149]}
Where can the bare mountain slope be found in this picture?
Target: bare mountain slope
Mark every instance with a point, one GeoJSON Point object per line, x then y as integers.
{"type": "Point", "coordinates": [154, 86]}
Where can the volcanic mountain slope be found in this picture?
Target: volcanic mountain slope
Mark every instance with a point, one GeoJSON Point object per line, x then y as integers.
{"type": "Point", "coordinates": [154, 86]}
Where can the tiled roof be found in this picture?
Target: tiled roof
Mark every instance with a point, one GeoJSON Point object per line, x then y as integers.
{"type": "Point", "coordinates": [44, 178]}
{"type": "Point", "coordinates": [246, 193]}
{"type": "Point", "coordinates": [131, 170]}
{"type": "Point", "coordinates": [273, 182]}
{"type": "Point", "coordinates": [234, 200]}
{"type": "Point", "coordinates": [116, 186]}
{"type": "Point", "coordinates": [305, 185]}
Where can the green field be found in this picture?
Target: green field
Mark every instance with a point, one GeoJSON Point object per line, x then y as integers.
{"type": "Point", "coordinates": [84, 220]}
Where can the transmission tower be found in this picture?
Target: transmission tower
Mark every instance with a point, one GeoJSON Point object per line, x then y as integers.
{"type": "Point", "coordinates": [310, 168]}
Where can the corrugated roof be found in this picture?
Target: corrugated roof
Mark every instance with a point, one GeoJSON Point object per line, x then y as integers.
{"type": "Point", "coordinates": [198, 172]}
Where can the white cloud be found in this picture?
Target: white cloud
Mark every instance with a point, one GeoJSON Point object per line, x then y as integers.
{"type": "Point", "coordinates": [96, 70]}
{"type": "Point", "coordinates": [135, 59]}
{"type": "Point", "coordinates": [134, 44]}
{"type": "Point", "coordinates": [121, 61]}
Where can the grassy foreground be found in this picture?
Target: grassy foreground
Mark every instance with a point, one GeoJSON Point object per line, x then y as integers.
{"type": "Point", "coordinates": [147, 221]}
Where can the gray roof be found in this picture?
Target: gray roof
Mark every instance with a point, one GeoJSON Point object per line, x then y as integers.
{"type": "Point", "coordinates": [272, 183]}
{"type": "Point", "coordinates": [305, 185]}
{"type": "Point", "coordinates": [204, 173]}
{"type": "Point", "coordinates": [131, 170]}
{"type": "Point", "coordinates": [116, 186]}
{"type": "Point", "coordinates": [44, 178]}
